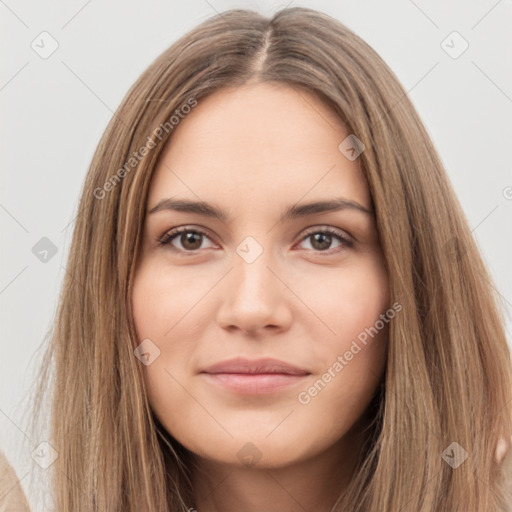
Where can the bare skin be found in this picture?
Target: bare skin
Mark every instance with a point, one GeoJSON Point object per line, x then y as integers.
{"type": "Point", "coordinates": [253, 151]}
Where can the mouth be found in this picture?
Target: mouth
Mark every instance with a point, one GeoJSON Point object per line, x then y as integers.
{"type": "Point", "coordinates": [254, 377]}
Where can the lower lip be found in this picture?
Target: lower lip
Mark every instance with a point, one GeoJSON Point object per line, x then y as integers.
{"type": "Point", "coordinates": [254, 383]}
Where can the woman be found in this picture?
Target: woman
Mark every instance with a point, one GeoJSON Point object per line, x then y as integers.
{"type": "Point", "coordinates": [329, 341]}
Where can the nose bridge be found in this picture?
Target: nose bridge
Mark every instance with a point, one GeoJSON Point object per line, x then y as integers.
{"type": "Point", "coordinates": [253, 297]}
{"type": "Point", "coordinates": [251, 275]}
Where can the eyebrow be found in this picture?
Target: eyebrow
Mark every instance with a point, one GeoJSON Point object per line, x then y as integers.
{"type": "Point", "coordinates": [292, 212]}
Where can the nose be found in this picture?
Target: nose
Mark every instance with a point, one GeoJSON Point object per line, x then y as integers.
{"type": "Point", "coordinates": [255, 298]}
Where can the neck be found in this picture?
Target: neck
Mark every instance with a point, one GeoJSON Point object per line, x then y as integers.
{"type": "Point", "coordinates": [310, 484]}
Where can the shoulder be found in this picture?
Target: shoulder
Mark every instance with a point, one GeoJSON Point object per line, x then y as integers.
{"type": "Point", "coordinates": [12, 496]}
{"type": "Point", "coordinates": [504, 449]}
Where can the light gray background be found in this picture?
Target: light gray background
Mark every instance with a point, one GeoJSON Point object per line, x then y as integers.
{"type": "Point", "coordinates": [54, 111]}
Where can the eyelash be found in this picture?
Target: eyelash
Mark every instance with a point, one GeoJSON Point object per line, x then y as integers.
{"type": "Point", "coordinates": [170, 235]}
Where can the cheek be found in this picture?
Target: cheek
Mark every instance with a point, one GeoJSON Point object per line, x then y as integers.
{"type": "Point", "coordinates": [163, 301]}
{"type": "Point", "coordinates": [345, 301]}
{"type": "Point", "coordinates": [149, 297]}
{"type": "Point", "coordinates": [354, 336]}
{"type": "Point", "coordinates": [162, 309]}
{"type": "Point", "coordinates": [165, 308]}
{"type": "Point", "coordinates": [352, 365]}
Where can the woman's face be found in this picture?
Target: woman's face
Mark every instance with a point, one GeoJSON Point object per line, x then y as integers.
{"type": "Point", "coordinates": [256, 283]}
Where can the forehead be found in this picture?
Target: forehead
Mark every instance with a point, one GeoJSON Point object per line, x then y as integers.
{"type": "Point", "coordinates": [267, 142]}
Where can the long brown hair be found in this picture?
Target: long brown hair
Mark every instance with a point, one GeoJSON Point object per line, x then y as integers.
{"type": "Point", "coordinates": [447, 391]}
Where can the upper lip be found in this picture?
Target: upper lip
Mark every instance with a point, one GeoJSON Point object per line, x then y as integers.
{"type": "Point", "coordinates": [264, 365]}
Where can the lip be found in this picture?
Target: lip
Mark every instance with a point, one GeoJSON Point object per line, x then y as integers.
{"type": "Point", "coordinates": [254, 377]}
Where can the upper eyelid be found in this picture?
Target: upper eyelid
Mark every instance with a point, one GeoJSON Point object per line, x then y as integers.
{"type": "Point", "coordinates": [315, 229]}
{"type": "Point", "coordinates": [183, 229]}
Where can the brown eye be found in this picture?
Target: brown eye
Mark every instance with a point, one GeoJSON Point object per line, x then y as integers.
{"type": "Point", "coordinates": [189, 239]}
{"type": "Point", "coordinates": [321, 240]}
